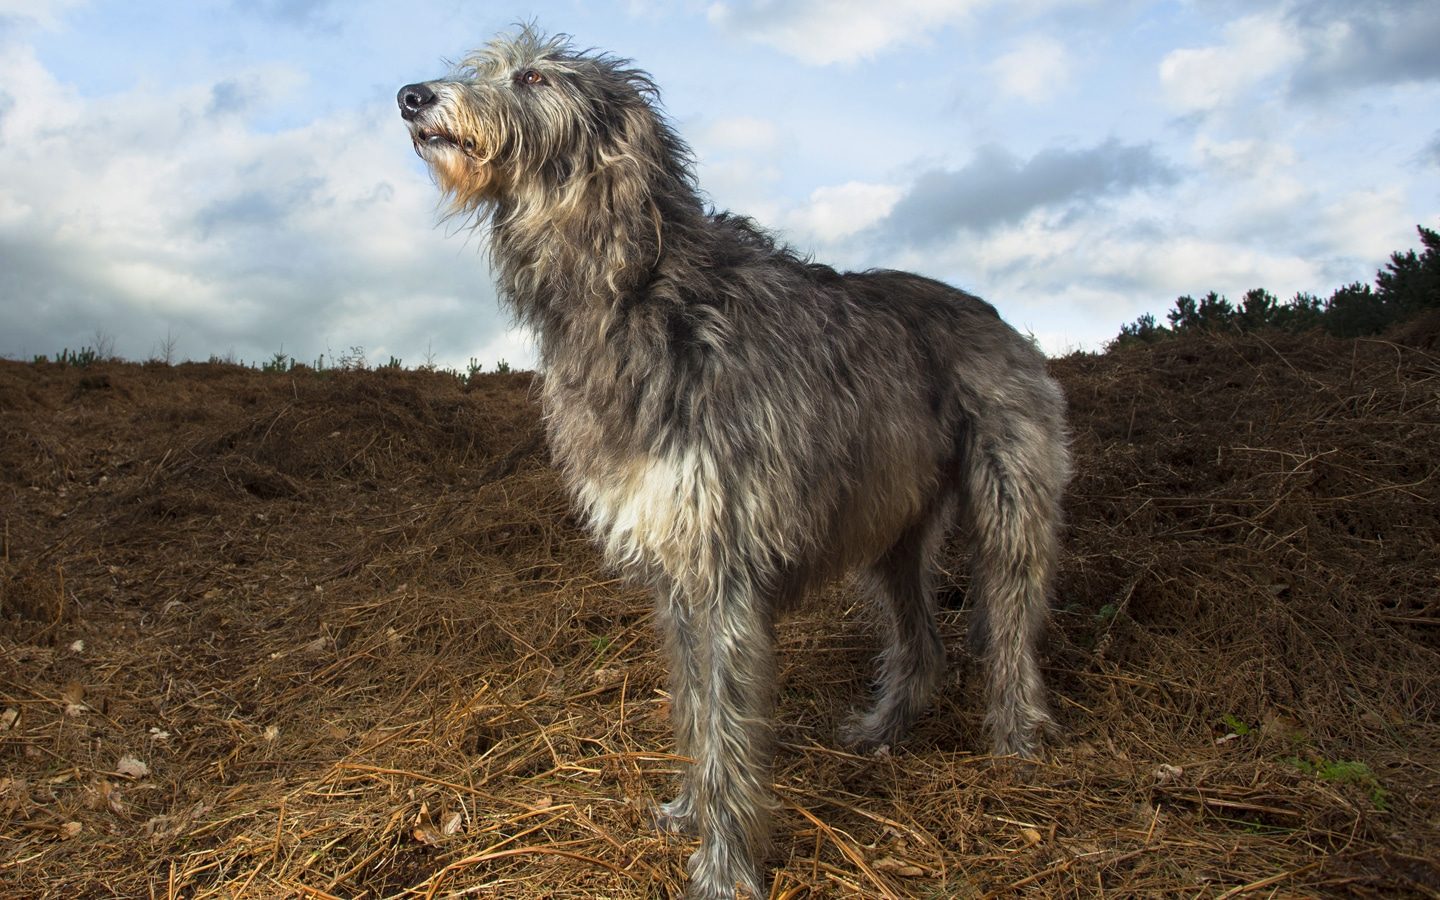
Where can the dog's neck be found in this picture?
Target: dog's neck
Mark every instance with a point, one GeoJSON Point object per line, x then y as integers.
{"type": "Point", "coordinates": [569, 258]}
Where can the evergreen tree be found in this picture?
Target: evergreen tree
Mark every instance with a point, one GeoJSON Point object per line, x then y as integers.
{"type": "Point", "coordinates": [1143, 330]}
{"type": "Point", "coordinates": [1212, 313]}
{"type": "Point", "coordinates": [1301, 313]}
{"type": "Point", "coordinates": [1410, 283]}
{"type": "Point", "coordinates": [1258, 310]}
{"type": "Point", "coordinates": [1353, 311]}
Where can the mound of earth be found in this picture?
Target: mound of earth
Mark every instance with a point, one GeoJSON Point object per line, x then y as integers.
{"type": "Point", "coordinates": [339, 634]}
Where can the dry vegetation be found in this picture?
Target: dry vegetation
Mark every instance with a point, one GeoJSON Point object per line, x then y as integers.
{"type": "Point", "coordinates": [307, 635]}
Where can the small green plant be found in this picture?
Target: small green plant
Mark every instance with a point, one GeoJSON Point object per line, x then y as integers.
{"type": "Point", "coordinates": [472, 369]}
{"type": "Point", "coordinates": [79, 359]}
{"type": "Point", "coordinates": [502, 367]}
{"type": "Point", "coordinates": [1106, 613]}
{"type": "Point", "coordinates": [40, 359]}
{"type": "Point", "coordinates": [393, 364]}
{"type": "Point", "coordinates": [279, 362]}
{"type": "Point", "coordinates": [1346, 771]}
{"type": "Point", "coordinates": [1235, 726]}
{"type": "Point", "coordinates": [601, 644]}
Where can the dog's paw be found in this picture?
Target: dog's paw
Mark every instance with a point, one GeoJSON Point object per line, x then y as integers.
{"type": "Point", "coordinates": [720, 876]}
{"type": "Point", "coordinates": [863, 734]}
{"type": "Point", "coordinates": [676, 817]}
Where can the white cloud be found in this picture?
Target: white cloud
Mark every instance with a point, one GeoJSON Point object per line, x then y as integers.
{"type": "Point", "coordinates": [820, 32]}
{"type": "Point", "coordinates": [1244, 157]}
{"type": "Point", "coordinates": [1256, 47]}
{"type": "Point", "coordinates": [1370, 224]}
{"type": "Point", "coordinates": [1353, 45]}
{"type": "Point", "coordinates": [150, 211]}
{"type": "Point", "coordinates": [838, 211]}
{"type": "Point", "coordinates": [996, 187]}
{"type": "Point", "coordinates": [1258, 181]}
{"type": "Point", "coordinates": [1312, 47]}
{"type": "Point", "coordinates": [45, 13]}
{"type": "Point", "coordinates": [1073, 280]}
{"type": "Point", "coordinates": [1035, 70]}
{"type": "Point", "coordinates": [745, 134]}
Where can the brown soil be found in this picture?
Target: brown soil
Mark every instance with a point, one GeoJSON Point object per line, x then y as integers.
{"type": "Point", "coordinates": [340, 634]}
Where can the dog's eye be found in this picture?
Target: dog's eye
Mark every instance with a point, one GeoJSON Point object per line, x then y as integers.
{"type": "Point", "coordinates": [530, 76]}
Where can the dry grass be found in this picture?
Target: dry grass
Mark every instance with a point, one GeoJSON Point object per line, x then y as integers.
{"type": "Point", "coordinates": [305, 636]}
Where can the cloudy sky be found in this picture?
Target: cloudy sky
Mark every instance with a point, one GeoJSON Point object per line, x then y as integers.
{"type": "Point", "coordinates": [233, 175]}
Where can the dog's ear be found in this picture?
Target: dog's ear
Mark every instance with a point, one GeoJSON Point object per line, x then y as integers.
{"type": "Point", "coordinates": [630, 124]}
{"type": "Point", "coordinates": [633, 138]}
{"type": "Point", "coordinates": [629, 190]}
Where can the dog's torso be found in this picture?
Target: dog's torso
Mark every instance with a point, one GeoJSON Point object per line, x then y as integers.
{"type": "Point", "coordinates": [686, 419]}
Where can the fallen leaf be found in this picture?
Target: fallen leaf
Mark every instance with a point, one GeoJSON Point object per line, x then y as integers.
{"type": "Point", "coordinates": [1166, 773]}
{"type": "Point", "coordinates": [898, 867]}
{"type": "Point", "coordinates": [131, 767]}
{"type": "Point", "coordinates": [271, 733]}
{"type": "Point", "coordinates": [74, 695]}
{"type": "Point", "coordinates": [8, 718]}
{"type": "Point", "coordinates": [425, 835]}
{"type": "Point", "coordinates": [104, 795]}
{"type": "Point", "coordinates": [162, 827]}
{"type": "Point", "coordinates": [1032, 837]}
{"type": "Point", "coordinates": [452, 824]}
{"type": "Point", "coordinates": [605, 676]}
{"type": "Point", "coordinates": [77, 647]}
{"type": "Point", "coordinates": [70, 830]}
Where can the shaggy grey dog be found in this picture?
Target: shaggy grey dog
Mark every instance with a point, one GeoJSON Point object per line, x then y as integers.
{"type": "Point", "coordinates": [740, 424]}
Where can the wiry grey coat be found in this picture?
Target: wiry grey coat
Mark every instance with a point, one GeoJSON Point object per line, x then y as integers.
{"type": "Point", "coordinates": [740, 424]}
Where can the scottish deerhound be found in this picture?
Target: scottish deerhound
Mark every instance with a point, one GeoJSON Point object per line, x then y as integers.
{"type": "Point", "coordinates": [740, 424]}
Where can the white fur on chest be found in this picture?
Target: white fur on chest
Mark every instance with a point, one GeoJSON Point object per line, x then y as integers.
{"type": "Point", "coordinates": [654, 511]}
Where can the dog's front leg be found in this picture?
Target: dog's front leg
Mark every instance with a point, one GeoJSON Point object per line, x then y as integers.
{"type": "Point", "coordinates": [730, 783]}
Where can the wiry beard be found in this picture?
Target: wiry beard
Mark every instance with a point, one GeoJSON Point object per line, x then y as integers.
{"type": "Point", "coordinates": [461, 155]}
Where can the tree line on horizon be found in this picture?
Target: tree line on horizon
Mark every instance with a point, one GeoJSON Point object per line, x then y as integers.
{"type": "Point", "coordinates": [1409, 284]}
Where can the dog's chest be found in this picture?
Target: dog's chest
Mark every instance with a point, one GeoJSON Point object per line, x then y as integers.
{"type": "Point", "coordinates": [650, 511]}
{"type": "Point", "coordinates": [647, 509]}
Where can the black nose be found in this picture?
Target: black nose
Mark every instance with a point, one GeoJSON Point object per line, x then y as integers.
{"type": "Point", "coordinates": [413, 98]}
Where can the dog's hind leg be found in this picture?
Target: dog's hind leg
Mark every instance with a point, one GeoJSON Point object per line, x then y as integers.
{"type": "Point", "coordinates": [683, 658]}
{"type": "Point", "coordinates": [1015, 471]}
{"type": "Point", "coordinates": [913, 659]}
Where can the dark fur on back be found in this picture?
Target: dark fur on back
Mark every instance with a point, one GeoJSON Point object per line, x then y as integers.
{"type": "Point", "coordinates": [740, 424]}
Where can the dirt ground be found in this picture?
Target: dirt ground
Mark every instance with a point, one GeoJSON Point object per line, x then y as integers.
{"type": "Point", "coordinates": [340, 635]}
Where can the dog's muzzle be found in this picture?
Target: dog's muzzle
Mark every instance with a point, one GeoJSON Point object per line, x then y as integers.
{"type": "Point", "coordinates": [414, 99]}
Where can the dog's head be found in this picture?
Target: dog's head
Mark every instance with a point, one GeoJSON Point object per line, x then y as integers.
{"type": "Point", "coordinates": [529, 114]}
